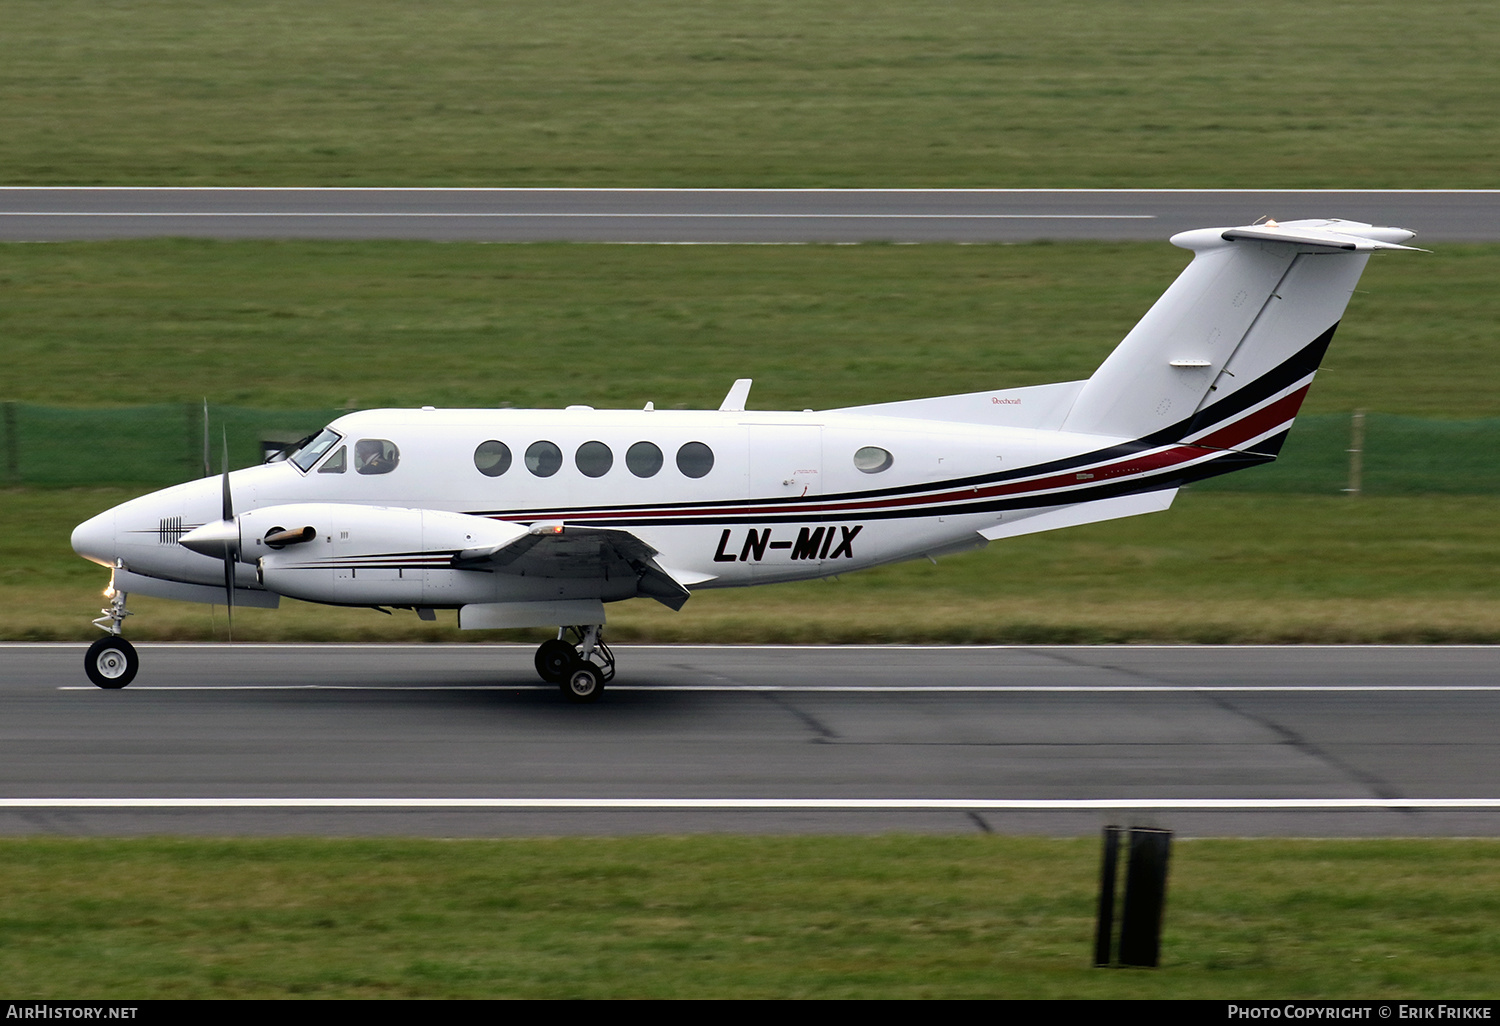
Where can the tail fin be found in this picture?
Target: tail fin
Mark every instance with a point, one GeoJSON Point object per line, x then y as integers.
{"type": "Point", "coordinates": [1225, 356]}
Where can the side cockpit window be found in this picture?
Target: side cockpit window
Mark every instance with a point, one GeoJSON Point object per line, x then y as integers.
{"type": "Point", "coordinates": [313, 450]}
{"type": "Point", "coordinates": [337, 463]}
{"type": "Point", "coordinates": [375, 456]}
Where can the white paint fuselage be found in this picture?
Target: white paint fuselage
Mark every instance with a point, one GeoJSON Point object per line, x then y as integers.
{"type": "Point", "coordinates": [783, 501]}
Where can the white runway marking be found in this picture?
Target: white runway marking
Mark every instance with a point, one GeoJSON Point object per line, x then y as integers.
{"type": "Point", "coordinates": [771, 191]}
{"type": "Point", "coordinates": [425, 646]}
{"type": "Point", "coordinates": [916, 689]}
{"type": "Point", "coordinates": [852, 804]}
{"type": "Point", "coordinates": [663, 215]}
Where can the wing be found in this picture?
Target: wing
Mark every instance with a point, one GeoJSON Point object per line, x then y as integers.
{"type": "Point", "coordinates": [557, 550]}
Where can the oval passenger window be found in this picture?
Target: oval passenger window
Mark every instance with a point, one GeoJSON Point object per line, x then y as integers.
{"type": "Point", "coordinates": [644, 459]}
{"type": "Point", "coordinates": [543, 459]}
{"type": "Point", "coordinates": [594, 459]}
{"type": "Point", "coordinates": [695, 459]}
{"type": "Point", "coordinates": [872, 459]}
{"type": "Point", "coordinates": [492, 458]}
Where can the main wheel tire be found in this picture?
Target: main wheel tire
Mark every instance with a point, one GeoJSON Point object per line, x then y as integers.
{"type": "Point", "coordinates": [554, 660]}
{"type": "Point", "coordinates": [584, 684]}
{"type": "Point", "coordinates": [111, 663]}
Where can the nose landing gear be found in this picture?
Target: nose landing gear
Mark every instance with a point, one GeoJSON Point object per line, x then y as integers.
{"type": "Point", "coordinates": [111, 661]}
{"type": "Point", "coordinates": [581, 667]}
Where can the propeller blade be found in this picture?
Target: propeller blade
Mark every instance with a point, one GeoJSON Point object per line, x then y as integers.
{"type": "Point", "coordinates": [230, 555]}
{"type": "Point", "coordinates": [229, 591]}
{"type": "Point", "coordinates": [228, 502]}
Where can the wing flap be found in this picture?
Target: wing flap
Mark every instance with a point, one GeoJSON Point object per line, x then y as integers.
{"type": "Point", "coordinates": [580, 553]}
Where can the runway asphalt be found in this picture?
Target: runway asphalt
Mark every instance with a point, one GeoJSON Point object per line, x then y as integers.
{"type": "Point", "coordinates": [463, 740]}
{"type": "Point", "coordinates": [716, 215]}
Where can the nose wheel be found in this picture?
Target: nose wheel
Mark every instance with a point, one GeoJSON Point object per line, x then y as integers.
{"type": "Point", "coordinates": [584, 684]}
{"type": "Point", "coordinates": [580, 667]}
{"type": "Point", "coordinates": [111, 662]}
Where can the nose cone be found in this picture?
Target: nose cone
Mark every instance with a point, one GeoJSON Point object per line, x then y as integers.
{"type": "Point", "coordinates": [96, 540]}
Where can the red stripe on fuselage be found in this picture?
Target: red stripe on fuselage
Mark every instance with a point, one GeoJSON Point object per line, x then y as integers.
{"type": "Point", "coordinates": [1225, 437]}
{"type": "Point", "coordinates": [1258, 423]}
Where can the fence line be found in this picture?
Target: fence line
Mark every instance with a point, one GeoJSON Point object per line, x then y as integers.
{"type": "Point", "coordinates": [1378, 454]}
{"type": "Point", "coordinates": [160, 444]}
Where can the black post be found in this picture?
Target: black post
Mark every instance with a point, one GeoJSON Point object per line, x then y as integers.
{"type": "Point", "coordinates": [1104, 934]}
{"type": "Point", "coordinates": [12, 446]}
{"type": "Point", "coordinates": [1145, 896]}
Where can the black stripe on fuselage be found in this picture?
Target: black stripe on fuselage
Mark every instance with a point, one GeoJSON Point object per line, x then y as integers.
{"type": "Point", "coordinates": [1288, 373]}
{"type": "Point", "coordinates": [1225, 462]}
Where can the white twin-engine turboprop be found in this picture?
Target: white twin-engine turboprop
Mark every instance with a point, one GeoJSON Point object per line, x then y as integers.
{"type": "Point", "coordinates": [524, 518]}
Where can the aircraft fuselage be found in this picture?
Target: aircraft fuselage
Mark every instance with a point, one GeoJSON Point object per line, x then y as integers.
{"type": "Point", "coordinates": [773, 497]}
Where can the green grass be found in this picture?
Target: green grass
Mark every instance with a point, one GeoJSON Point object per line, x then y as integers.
{"type": "Point", "coordinates": [1283, 93]}
{"type": "Point", "coordinates": [325, 324]}
{"type": "Point", "coordinates": [900, 917]}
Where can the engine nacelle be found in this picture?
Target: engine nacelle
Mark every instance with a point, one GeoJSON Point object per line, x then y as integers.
{"type": "Point", "coordinates": [370, 555]}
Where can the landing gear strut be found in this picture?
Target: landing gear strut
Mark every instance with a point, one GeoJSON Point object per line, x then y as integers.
{"type": "Point", "coordinates": [111, 662]}
{"type": "Point", "coordinates": [580, 667]}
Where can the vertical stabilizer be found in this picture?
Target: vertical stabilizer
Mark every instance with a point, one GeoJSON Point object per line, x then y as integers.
{"type": "Point", "coordinates": [1242, 328]}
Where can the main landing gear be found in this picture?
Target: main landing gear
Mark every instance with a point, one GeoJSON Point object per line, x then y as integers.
{"type": "Point", "coordinates": [580, 667]}
{"type": "Point", "coordinates": [111, 661]}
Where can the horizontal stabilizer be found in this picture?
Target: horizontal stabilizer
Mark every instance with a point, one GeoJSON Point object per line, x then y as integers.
{"type": "Point", "coordinates": [1325, 235]}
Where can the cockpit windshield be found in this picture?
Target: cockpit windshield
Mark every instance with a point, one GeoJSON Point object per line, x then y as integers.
{"type": "Point", "coordinates": [287, 451]}
{"type": "Point", "coordinates": [310, 452]}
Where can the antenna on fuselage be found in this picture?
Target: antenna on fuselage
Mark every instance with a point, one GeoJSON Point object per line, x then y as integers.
{"type": "Point", "coordinates": [738, 395]}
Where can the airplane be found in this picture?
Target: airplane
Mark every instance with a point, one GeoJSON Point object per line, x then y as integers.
{"type": "Point", "coordinates": [538, 518]}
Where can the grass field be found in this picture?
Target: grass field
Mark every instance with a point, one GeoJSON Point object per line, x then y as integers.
{"type": "Point", "coordinates": [1282, 93]}
{"type": "Point", "coordinates": [724, 917]}
{"type": "Point", "coordinates": [326, 324]}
